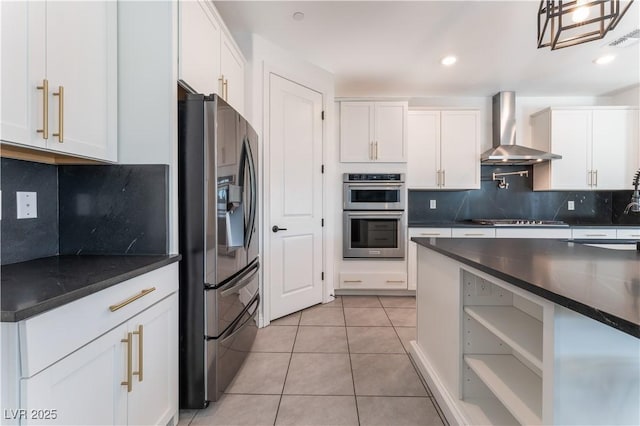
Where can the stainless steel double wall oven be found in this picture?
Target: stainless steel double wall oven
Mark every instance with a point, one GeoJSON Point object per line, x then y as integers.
{"type": "Point", "coordinates": [373, 215]}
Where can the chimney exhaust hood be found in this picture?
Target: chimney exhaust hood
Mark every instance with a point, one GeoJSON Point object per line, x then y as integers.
{"type": "Point", "coordinates": [505, 151]}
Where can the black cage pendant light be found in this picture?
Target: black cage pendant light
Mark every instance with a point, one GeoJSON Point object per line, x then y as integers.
{"type": "Point", "coordinates": [568, 23]}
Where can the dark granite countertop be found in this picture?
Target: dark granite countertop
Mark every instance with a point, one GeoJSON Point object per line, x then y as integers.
{"type": "Point", "coordinates": [32, 287]}
{"type": "Point", "coordinates": [600, 283]}
{"type": "Point", "coordinates": [466, 224]}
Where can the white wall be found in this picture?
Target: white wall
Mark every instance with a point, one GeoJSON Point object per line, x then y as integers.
{"type": "Point", "coordinates": [264, 58]}
{"type": "Point", "coordinates": [626, 96]}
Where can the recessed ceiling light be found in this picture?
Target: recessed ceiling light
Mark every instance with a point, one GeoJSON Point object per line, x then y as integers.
{"type": "Point", "coordinates": [448, 60]}
{"type": "Point", "coordinates": [603, 60]}
{"type": "Point", "coordinates": [298, 16]}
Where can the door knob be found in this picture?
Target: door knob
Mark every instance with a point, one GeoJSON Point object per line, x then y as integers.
{"type": "Point", "coordinates": [276, 229]}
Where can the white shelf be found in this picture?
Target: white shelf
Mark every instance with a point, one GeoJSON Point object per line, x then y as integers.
{"type": "Point", "coordinates": [520, 331]}
{"type": "Point", "coordinates": [515, 385]}
{"type": "Point", "coordinates": [486, 411]}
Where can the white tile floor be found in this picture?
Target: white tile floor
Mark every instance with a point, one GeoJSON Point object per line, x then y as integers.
{"type": "Point", "coordinates": [342, 363]}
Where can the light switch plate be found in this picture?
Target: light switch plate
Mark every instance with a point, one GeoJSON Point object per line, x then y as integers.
{"type": "Point", "coordinates": [571, 205]}
{"type": "Point", "coordinates": [432, 204]}
{"type": "Point", "coordinates": [27, 203]}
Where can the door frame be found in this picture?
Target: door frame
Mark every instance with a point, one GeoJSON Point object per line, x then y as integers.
{"type": "Point", "coordinates": [325, 88]}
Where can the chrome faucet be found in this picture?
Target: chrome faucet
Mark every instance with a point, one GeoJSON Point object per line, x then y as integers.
{"type": "Point", "coordinates": [634, 205]}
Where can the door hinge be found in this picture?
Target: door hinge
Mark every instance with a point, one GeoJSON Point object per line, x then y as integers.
{"type": "Point", "coordinates": [322, 169]}
{"type": "Point", "coordinates": [322, 115]}
{"type": "Point", "coordinates": [322, 276]}
{"type": "Point", "coordinates": [322, 222]}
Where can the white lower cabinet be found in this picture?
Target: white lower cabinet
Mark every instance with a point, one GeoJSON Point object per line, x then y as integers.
{"type": "Point", "coordinates": [128, 375]}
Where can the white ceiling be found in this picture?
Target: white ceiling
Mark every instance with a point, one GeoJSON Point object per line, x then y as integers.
{"type": "Point", "coordinates": [394, 48]}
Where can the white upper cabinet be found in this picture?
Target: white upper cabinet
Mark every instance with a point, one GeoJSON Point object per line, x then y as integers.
{"type": "Point", "coordinates": [60, 93]}
{"type": "Point", "coordinates": [444, 150]}
{"type": "Point", "coordinates": [209, 60]}
{"type": "Point", "coordinates": [199, 36]}
{"type": "Point", "coordinates": [373, 132]}
{"type": "Point", "coordinates": [599, 148]}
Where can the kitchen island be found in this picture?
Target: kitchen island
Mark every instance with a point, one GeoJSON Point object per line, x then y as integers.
{"type": "Point", "coordinates": [527, 331]}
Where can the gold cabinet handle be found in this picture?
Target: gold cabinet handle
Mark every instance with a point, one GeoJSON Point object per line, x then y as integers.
{"type": "Point", "coordinates": [376, 150]}
{"type": "Point", "coordinates": [596, 174]}
{"type": "Point", "coordinates": [430, 234]}
{"type": "Point", "coordinates": [120, 305]}
{"type": "Point", "coordinates": [60, 95]}
{"type": "Point", "coordinates": [473, 235]}
{"type": "Point", "coordinates": [140, 355]}
{"type": "Point", "coordinates": [352, 281]}
{"type": "Point", "coordinates": [443, 178]}
{"type": "Point", "coordinates": [595, 235]}
{"type": "Point", "coordinates": [129, 382]}
{"type": "Point", "coordinates": [395, 281]}
{"type": "Point", "coordinates": [45, 109]}
{"type": "Point", "coordinates": [371, 150]}
{"type": "Point", "coordinates": [225, 89]}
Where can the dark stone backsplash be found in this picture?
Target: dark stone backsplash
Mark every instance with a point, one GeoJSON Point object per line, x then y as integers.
{"type": "Point", "coordinates": [519, 201]}
{"type": "Point", "coordinates": [26, 239]}
{"type": "Point", "coordinates": [114, 209]}
{"type": "Point", "coordinates": [110, 209]}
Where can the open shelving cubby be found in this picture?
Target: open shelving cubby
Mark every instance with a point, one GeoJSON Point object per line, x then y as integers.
{"type": "Point", "coordinates": [501, 352]}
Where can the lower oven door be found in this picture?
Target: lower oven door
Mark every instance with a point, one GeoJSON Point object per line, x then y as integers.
{"type": "Point", "coordinates": [373, 234]}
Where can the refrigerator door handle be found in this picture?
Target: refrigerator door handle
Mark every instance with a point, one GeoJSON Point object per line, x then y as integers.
{"type": "Point", "coordinates": [241, 282]}
{"type": "Point", "coordinates": [255, 265]}
{"type": "Point", "coordinates": [236, 328]}
{"type": "Point", "coordinates": [248, 157]}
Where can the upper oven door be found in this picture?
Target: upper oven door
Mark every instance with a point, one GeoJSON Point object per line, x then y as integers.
{"type": "Point", "coordinates": [373, 196]}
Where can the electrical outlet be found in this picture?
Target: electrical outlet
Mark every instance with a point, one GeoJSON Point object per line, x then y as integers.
{"type": "Point", "coordinates": [571, 205]}
{"type": "Point", "coordinates": [483, 287]}
{"type": "Point", "coordinates": [432, 204]}
{"type": "Point", "coordinates": [27, 203]}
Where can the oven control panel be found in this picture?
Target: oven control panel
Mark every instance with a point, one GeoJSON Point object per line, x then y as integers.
{"type": "Point", "coordinates": [374, 177]}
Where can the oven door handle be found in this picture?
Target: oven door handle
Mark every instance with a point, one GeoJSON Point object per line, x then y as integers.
{"type": "Point", "coordinates": [375, 214]}
{"type": "Point", "coordinates": [370, 185]}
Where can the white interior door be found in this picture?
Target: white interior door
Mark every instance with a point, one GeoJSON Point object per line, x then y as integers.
{"type": "Point", "coordinates": [295, 196]}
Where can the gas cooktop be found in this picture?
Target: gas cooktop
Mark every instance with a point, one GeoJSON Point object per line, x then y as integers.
{"type": "Point", "coordinates": [519, 222]}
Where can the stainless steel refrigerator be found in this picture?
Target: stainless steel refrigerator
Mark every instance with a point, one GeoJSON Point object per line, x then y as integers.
{"type": "Point", "coordinates": [218, 201]}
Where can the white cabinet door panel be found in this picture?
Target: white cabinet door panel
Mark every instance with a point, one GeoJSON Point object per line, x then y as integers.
{"type": "Point", "coordinates": [356, 132]}
{"type": "Point", "coordinates": [24, 50]}
{"type": "Point", "coordinates": [82, 58]}
{"type": "Point", "coordinates": [84, 388]}
{"type": "Point", "coordinates": [390, 132]}
{"type": "Point", "coordinates": [459, 152]}
{"type": "Point", "coordinates": [199, 47]}
{"type": "Point", "coordinates": [571, 138]}
{"type": "Point", "coordinates": [615, 148]}
{"type": "Point", "coordinates": [424, 149]}
{"type": "Point", "coordinates": [232, 69]}
{"type": "Point", "coordinates": [154, 398]}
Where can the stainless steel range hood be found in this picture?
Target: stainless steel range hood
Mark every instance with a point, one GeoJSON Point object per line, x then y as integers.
{"type": "Point", "coordinates": [505, 151]}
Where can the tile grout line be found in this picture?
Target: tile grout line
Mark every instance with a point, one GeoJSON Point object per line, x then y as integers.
{"type": "Point", "coordinates": [275, 419]}
{"type": "Point", "coordinates": [353, 380]}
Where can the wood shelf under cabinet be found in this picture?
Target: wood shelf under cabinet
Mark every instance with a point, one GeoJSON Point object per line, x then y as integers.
{"type": "Point", "coordinates": [516, 386]}
{"type": "Point", "coordinates": [521, 332]}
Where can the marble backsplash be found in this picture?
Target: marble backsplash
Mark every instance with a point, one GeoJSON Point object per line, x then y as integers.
{"type": "Point", "coordinates": [106, 209]}
{"type": "Point", "coordinates": [519, 201]}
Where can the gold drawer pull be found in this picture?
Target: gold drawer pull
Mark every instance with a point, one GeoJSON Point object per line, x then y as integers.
{"type": "Point", "coordinates": [352, 281]}
{"type": "Point", "coordinates": [45, 109]}
{"type": "Point", "coordinates": [60, 95]}
{"type": "Point", "coordinates": [474, 235]}
{"type": "Point", "coordinates": [596, 235]}
{"type": "Point", "coordinates": [143, 293]}
{"type": "Point", "coordinates": [129, 382]}
{"type": "Point", "coordinates": [140, 356]}
{"type": "Point", "coordinates": [431, 233]}
{"type": "Point", "coordinates": [395, 281]}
